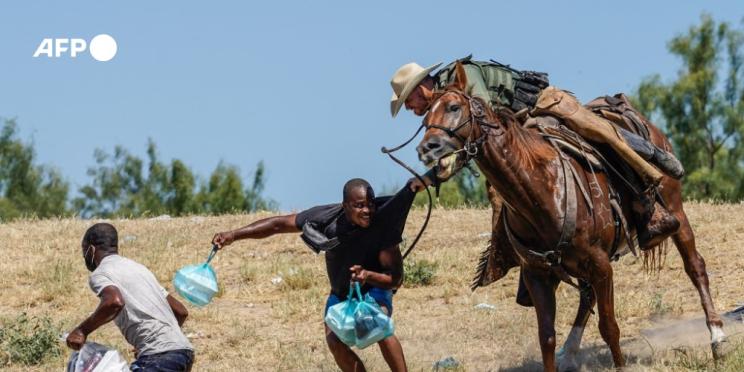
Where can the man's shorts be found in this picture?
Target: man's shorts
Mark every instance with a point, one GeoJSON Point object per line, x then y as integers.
{"type": "Point", "coordinates": [383, 297]}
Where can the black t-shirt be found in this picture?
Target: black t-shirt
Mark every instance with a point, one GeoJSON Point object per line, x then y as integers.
{"type": "Point", "coordinates": [356, 245]}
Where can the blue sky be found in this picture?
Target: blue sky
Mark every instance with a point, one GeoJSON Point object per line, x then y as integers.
{"type": "Point", "coordinates": [303, 86]}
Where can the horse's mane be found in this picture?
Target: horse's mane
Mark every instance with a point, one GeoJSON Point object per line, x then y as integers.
{"type": "Point", "coordinates": [528, 147]}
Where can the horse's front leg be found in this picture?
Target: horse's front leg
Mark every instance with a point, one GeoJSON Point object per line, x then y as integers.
{"type": "Point", "coordinates": [567, 356]}
{"type": "Point", "coordinates": [541, 286]}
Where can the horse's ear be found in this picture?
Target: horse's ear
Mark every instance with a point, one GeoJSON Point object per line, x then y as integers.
{"type": "Point", "coordinates": [461, 80]}
{"type": "Point", "coordinates": [428, 93]}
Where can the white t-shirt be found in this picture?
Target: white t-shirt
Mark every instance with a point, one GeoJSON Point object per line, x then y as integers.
{"type": "Point", "coordinates": [146, 321]}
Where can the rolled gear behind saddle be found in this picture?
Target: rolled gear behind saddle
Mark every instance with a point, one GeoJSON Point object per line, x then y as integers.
{"type": "Point", "coordinates": [633, 126]}
{"type": "Point", "coordinates": [663, 160]}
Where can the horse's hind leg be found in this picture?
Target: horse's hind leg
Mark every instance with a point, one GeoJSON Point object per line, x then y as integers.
{"type": "Point", "coordinates": [542, 291]}
{"type": "Point", "coordinates": [695, 269]}
{"type": "Point", "coordinates": [601, 281]}
{"type": "Point", "coordinates": [568, 353]}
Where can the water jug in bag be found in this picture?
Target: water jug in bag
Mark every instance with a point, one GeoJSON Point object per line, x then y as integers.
{"type": "Point", "coordinates": [197, 283]}
{"type": "Point", "coordinates": [340, 318]}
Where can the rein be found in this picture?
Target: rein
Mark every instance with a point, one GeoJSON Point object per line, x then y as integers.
{"type": "Point", "coordinates": [389, 153]}
{"type": "Point", "coordinates": [471, 150]}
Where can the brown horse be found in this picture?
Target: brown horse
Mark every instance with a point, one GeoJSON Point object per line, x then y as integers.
{"type": "Point", "coordinates": [537, 185]}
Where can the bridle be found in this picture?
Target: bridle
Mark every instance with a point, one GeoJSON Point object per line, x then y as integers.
{"type": "Point", "coordinates": [470, 148]}
{"type": "Point", "coordinates": [477, 115]}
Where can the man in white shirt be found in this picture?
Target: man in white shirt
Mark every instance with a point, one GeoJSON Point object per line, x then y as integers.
{"type": "Point", "coordinates": [148, 317]}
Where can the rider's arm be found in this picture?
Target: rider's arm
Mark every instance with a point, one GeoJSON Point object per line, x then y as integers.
{"type": "Point", "coordinates": [260, 229]}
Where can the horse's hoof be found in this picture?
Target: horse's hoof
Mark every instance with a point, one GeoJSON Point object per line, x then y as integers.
{"type": "Point", "coordinates": [568, 367]}
{"type": "Point", "coordinates": [566, 361]}
{"type": "Point", "coordinates": [720, 349]}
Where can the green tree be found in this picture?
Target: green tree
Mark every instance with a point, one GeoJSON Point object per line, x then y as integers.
{"type": "Point", "coordinates": [121, 186]}
{"type": "Point", "coordinates": [224, 192]}
{"type": "Point", "coordinates": [181, 200]}
{"type": "Point", "coordinates": [26, 188]}
{"type": "Point", "coordinates": [702, 110]}
{"type": "Point", "coordinates": [116, 181]}
{"type": "Point", "coordinates": [253, 199]}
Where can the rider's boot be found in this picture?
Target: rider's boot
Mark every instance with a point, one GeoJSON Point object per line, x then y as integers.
{"type": "Point", "coordinates": [654, 223]}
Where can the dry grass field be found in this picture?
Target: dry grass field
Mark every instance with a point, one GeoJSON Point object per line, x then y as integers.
{"type": "Point", "coordinates": [257, 325]}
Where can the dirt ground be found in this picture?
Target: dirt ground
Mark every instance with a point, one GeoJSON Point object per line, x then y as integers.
{"type": "Point", "coordinates": [257, 325]}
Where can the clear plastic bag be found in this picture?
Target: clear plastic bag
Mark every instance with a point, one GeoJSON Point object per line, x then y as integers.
{"type": "Point", "coordinates": [359, 321]}
{"type": "Point", "coordinates": [371, 324]}
{"type": "Point", "coordinates": [94, 357]}
{"type": "Point", "coordinates": [197, 283]}
{"type": "Point", "coordinates": [340, 319]}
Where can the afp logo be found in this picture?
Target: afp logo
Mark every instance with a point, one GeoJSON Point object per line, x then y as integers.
{"type": "Point", "coordinates": [102, 48]}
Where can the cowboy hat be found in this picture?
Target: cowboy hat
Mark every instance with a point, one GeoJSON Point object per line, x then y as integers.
{"type": "Point", "coordinates": [404, 81]}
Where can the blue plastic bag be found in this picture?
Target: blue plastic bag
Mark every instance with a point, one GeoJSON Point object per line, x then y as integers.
{"type": "Point", "coordinates": [340, 318]}
{"type": "Point", "coordinates": [359, 321]}
{"type": "Point", "coordinates": [197, 283]}
{"type": "Point", "coordinates": [371, 324]}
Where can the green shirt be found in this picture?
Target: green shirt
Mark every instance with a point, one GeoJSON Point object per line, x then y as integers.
{"type": "Point", "coordinates": [493, 84]}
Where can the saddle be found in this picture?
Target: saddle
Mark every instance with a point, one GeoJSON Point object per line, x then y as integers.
{"type": "Point", "coordinates": [630, 124]}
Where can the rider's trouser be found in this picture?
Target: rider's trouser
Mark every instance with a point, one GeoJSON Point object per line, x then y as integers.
{"type": "Point", "coordinates": [559, 103]}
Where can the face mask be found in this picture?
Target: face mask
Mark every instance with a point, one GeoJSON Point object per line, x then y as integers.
{"type": "Point", "coordinates": [90, 263]}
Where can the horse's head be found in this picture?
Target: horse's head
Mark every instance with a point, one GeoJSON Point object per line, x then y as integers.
{"type": "Point", "coordinates": [449, 125]}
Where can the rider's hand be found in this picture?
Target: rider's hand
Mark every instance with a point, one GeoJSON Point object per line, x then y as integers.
{"type": "Point", "coordinates": [76, 339]}
{"type": "Point", "coordinates": [358, 274]}
{"type": "Point", "coordinates": [223, 239]}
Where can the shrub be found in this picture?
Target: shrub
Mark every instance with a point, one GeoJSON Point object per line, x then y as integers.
{"type": "Point", "coordinates": [28, 340]}
{"type": "Point", "coordinates": [419, 273]}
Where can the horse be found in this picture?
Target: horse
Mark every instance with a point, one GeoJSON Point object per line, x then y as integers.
{"type": "Point", "coordinates": [553, 234]}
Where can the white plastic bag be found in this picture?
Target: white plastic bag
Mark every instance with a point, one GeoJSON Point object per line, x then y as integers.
{"type": "Point", "coordinates": [94, 357]}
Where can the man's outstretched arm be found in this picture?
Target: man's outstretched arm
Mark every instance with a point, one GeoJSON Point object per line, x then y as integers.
{"type": "Point", "coordinates": [111, 304]}
{"type": "Point", "coordinates": [260, 229]}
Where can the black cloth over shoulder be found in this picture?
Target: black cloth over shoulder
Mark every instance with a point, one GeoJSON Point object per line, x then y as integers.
{"type": "Point", "coordinates": [325, 228]}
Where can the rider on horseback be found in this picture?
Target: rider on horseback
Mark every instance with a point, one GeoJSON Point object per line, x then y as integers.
{"type": "Point", "coordinates": [528, 92]}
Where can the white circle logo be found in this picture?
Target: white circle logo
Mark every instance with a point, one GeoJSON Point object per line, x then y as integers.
{"type": "Point", "coordinates": [103, 48]}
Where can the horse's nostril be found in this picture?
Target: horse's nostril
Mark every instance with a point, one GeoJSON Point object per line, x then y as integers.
{"type": "Point", "coordinates": [433, 145]}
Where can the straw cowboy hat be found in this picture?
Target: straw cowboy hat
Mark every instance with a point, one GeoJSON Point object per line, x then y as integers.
{"type": "Point", "coordinates": [404, 81]}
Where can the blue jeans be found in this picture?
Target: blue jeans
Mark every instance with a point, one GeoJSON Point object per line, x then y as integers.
{"type": "Point", "coordinates": [168, 361]}
{"type": "Point", "coordinates": [383, 297]}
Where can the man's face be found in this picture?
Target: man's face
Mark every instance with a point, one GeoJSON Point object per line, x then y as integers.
{"type": "Point", "coordinates": [417, 101]}
{"type": "Point", "coordinates": [359, 206]}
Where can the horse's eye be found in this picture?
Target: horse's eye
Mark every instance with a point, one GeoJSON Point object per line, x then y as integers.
{"type": "Point", "coordinates": [454, 108]}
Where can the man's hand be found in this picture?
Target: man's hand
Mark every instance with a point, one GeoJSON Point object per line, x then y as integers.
{"type": "Point", "coordinates": [358, 274]}
{"type": "Point", "coordinates": [76, 339]}
{"type": "Point", "coordinates": [223, 239]}
{"type": "Point", "coordinates": [416, 185]}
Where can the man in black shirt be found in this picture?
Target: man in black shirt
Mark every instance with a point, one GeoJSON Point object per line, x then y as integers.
{"type": "Point", "coordinates": [360, 239]}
